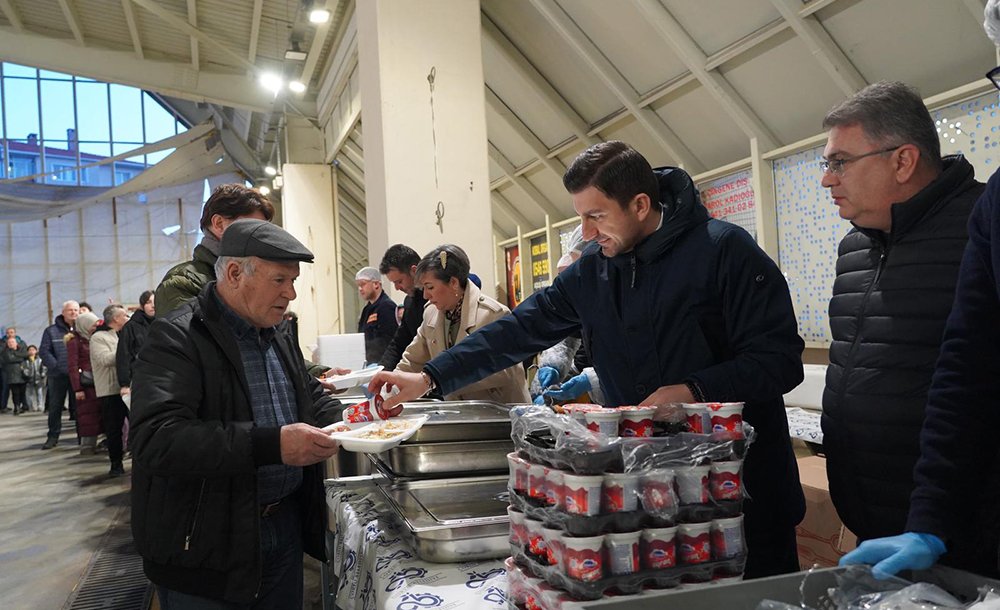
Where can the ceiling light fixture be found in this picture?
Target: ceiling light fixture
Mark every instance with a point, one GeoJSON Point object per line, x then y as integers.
{"type": "Point", "coordinates": [270, 171]}
{"type": "Point", "coordinates": [297, 86]}
{"type": "Point", "coordinates": [271, 82]}
{"type": "Point", "coordinates": [170, 230]}
{"type": "Point", "coordinates": [295, 53]}
{"type": "Point", "coordinates": [319, 15]}
{"type": "Point", "coordinates": [264, 190]}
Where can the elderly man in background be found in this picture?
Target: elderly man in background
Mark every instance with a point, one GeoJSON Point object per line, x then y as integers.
{"type": "Point", "coordinates": [103, 359]}
{"type": "Point", "coordinates": [896, 275]}
{"type": "Point", "coordinates": [378, 318]}
{"type": "Point", "coordinates": [52, 350]}
{"type": "Point", "coordinates": [227, 486]}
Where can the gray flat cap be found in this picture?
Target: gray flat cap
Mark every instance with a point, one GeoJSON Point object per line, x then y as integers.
{"type": "Point", "coordinates": [252, 237]}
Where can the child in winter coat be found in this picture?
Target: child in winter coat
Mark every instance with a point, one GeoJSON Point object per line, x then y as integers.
{"type": "Point", "coordinates": [34, 373]}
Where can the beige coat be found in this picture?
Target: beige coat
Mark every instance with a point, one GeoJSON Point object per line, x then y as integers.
{"type": "Point", "coordinates": [508, 386]}
{"type": "Point", "coordinates": [103, 347]}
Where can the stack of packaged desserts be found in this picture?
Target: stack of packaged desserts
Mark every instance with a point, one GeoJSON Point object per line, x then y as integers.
{"type": "Point", "coordinates": [612, 501]}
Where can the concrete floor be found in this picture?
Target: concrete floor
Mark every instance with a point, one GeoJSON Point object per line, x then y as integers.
{"type": "Point", "coordinates": [55, 506]}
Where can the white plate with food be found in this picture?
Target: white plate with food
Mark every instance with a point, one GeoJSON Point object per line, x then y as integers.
{"type": "Point", "coordinates": [352, 379]}
{"type": "Point", "coordinates": [377, 436]}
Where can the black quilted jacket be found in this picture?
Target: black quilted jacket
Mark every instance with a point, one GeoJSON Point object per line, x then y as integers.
{"type": "Point", "coordinates": [891, 298]}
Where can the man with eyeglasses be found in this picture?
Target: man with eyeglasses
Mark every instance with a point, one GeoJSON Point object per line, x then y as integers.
{"type": "Point", "coordinates": [896, 275]}
{"type": "Point", "coordinates": [955, 507]}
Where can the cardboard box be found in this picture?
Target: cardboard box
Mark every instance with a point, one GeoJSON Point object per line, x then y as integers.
{"type": "Point", "coordinates": [822, 538]}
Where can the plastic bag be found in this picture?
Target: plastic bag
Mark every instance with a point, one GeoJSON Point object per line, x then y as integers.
{"type": "Point", "coordinates": [859, 590]}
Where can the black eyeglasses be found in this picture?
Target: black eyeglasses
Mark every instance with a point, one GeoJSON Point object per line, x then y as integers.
{"type": "Point", "coordinates": [836, 166]}
{"type": "Point", "coordinates": [994, 76]}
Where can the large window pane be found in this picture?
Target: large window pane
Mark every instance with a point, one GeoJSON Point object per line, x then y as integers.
{"type": "Point", "coordinates": [54, 75]}
{"type": "Point", "coordinates": [154, 158]}
{"type": "Point", "coordinates": [57, 109]}
{"type": "Point", "coordinates": [92, 109]}
{"type": "Point", "coordinates": [126, 114]}
{"type": "Point", "coordinates": [60, 163]}
{"type": "Point", "coordinates": [18, 70]}
{"type": "Point", "coordinates": [159, 122]}
{"type": "Point", "coordinates": [21, 103]}
{"type": "Point", "coordinates": [1, 127]}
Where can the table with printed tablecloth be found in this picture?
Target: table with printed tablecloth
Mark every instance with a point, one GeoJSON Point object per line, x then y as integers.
{"type": "Point", "coordinates": [374, 568]}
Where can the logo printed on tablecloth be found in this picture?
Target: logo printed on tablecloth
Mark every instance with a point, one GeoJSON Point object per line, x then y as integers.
{"type": "Point", "coordinates": [495, 595]}
{"type": "Point", "coordinates": [371, 531]}
{"type": "Point", "coordinates": [385, 561]}
{"type": "Point", "coordinates": [415, 601]}
{"type": "Point", "coordinates": [399, 578]}
{"type": "Point", "coordinates": [367, 597]}
{"type": "Point", "coordinates": [381, 541]}
{"type": "Point", "coordinates": [351, 558]}
{"type": "Point", "coordinates": [475, 580]}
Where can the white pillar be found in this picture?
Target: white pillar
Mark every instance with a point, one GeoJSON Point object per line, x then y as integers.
{"type": "Point", "coordinates": [424, 147]}
{"type": "Point", "coordinates": [309, 216]}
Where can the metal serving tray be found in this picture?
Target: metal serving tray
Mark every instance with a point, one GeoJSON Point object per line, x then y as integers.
{"type": "Point", "coordinates": [460, 420]}
{"type": "Point", "coordinates": [453, 520]}
{"type": "Point", "coordinates": [479, 457]}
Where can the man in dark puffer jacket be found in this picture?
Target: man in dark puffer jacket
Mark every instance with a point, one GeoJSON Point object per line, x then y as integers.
{"type": "Point", "coordinates": [896, 276]}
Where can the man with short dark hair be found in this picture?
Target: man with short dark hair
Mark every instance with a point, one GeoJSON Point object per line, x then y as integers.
{"type": "Point", "coordinates": [378, 317]}
{"type": "Point", "coordinates": [896, 275]}
{"type": "Point", "coordinates": [131, 338]}
{"type": "Point", "coordinates": [227, 445]}
{"type": "Point", "coordinates": [228, 203]}
{"type": "Point", "coordinates": [398, 265]}
{"type": "Point", "coordinates": [674, 307]}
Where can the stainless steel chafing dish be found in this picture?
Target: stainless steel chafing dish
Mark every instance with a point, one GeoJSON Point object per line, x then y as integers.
{"type": "Point", "coordinates": [452, 520]}
{"type": "Point", "coordinates": [458, 437]}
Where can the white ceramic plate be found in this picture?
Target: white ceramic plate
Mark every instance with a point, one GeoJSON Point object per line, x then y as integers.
{"type": "Point", "coordinates": [354, 438]}
{"type": "Point", "coordinates": [354, 378]}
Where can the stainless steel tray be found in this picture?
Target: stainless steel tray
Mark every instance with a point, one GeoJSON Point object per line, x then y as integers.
{"type": "Point", "coordinates": [409, 460]}
{"type": "Point", "coordinates": [452, 520]}
{"type": "Point", "coordinates": [460, 420]}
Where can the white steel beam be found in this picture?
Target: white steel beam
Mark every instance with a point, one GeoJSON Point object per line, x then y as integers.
{"type": "Point", "coordinates": [527, 136]}
{"type": "Point", "coordinates": [182, 25]}
{"type": "Point", "coordinates": [613, 79]}
{"type": "Point", "coordinates": [168, 78]}
{"type": "Point", "coordinates": [822, 46]}
{"type": "Point", "coordinates": [133, 28]}
{"type": "Point", "coordinates": [69, 12]}
{"type": "Point", "coordinates": [813, 6]}
{"type": "Point", "coordinates": [745, 44]}
{"type": "Point", "coordinates": [8, 10]}
{"type": "Point", "coordinates": [715, 84]}
{"type": "Point", "coordinates": [192, 10]}
{"type": "Point", "coordinates": [315, 49]}
{"type": "Point", "coordinates": [523, 184]}
{"type": "Point", "coordinates": [505, 207]}
{"type": "Point", "coordinates": [545, 90]}
{"type": "Point", "coordinates": [258, 7]}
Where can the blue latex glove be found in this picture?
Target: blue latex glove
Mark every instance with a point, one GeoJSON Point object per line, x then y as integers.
{"type": "Point", "coordinates": [570, 389]}
{"type": "Point", "coordinates": [909, 551]}
{"type": "Point", "coordinates": [539, 400]}
{"type": "Point", "coordinates": [547, 376]}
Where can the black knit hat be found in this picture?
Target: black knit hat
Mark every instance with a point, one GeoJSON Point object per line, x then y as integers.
{"type": "Point", "coordinates": [252, 237]}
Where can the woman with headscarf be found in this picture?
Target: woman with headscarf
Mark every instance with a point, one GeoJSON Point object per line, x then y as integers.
{"type": "Point", "coordinates": [81, 378]}
{"type": "Point", "coordinates": [458, 308]}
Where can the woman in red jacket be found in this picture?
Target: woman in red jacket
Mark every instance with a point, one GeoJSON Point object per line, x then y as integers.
{"type": "Point", "coordinates": [81, 377]}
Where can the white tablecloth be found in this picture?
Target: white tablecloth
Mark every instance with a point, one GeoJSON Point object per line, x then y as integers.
{"type": "Point", "coordinates": [804, 424]}
{"type": "Point", "coordinates": [378, 570]}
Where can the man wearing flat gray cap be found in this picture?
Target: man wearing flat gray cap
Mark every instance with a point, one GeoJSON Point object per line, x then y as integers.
{"type": "Point", "coordinates": [226, 436]}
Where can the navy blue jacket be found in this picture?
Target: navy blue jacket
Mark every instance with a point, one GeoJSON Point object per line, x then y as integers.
{"type": "Point", "coordinates": [52, 349]}
{"type": "Point", "coordinates": [957, 495]}
{"type": "Point", "coordinates": [697, 301]}
{"type": "Point", "coordinates": [378, 323]}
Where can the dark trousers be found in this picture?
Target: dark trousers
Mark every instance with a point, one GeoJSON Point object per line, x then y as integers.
{"type": "Point", "coordinates": [59, 388]}
{"type": "Point", "coordinates": [17, 393]}
{"type": "Point", "coordinates": [281, 577]}
{"type": "Point", "coordinates": [113, 414]}
{"type": "Point", "coordinates": [771, 549]}
{"type": "Point", "coordinates": [4, 392]}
